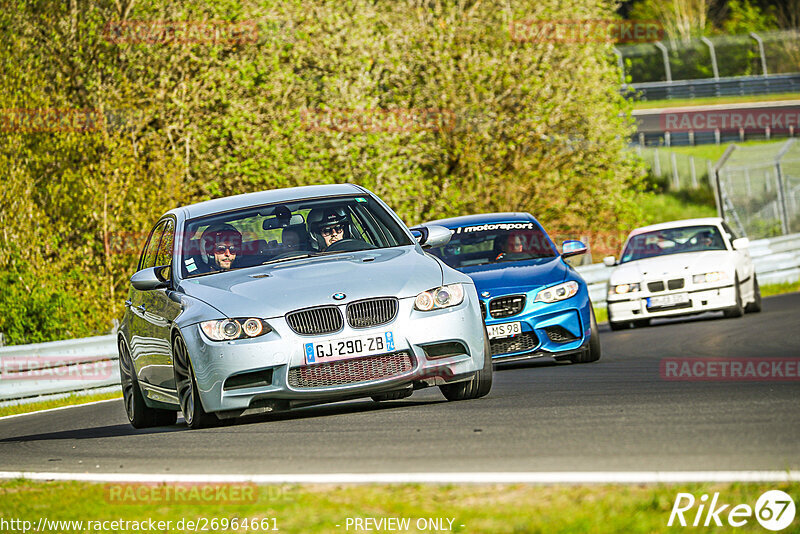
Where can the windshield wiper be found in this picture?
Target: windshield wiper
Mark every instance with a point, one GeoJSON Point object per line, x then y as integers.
{"type": "Point", "coordinates": [290, 258]}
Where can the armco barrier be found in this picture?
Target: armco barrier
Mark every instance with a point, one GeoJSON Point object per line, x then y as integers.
{"type": "Point", "coordinates": [43, 370]}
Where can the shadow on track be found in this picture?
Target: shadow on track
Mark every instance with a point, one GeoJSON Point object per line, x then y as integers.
{"type": "Point", "coordinates": [309, 412]}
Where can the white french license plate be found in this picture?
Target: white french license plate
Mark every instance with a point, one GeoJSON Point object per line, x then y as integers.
{"type": "Point", "coordinates": [497, 331]}
{"type": "Point", "coordinates": [664, 301]}
{"type": "Point", "coordinates": [350, 347]}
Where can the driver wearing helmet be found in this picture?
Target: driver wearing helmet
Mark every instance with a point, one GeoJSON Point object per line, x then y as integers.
{"type": "Point", "coordinates": [328, 226]}
{"type": "Point", "coordinates": [221, 243]}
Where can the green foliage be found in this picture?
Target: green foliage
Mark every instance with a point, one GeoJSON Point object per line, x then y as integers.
{"type": "Point", "coordinates": [522, 125]}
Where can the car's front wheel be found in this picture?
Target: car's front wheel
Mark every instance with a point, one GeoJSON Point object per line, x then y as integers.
{"type": "Point", "coordinates": [593, 351]}
{"type": "Point", "coordinates": [139, 414]}
{"type": "Point", "coordinates": [755, 306]}
{"type": "Point", "coordinates": [479, 385]}
{"type": "Point", "coordinates": [737, 310]}
{"type": "Point", "coordinates": [186, 384]}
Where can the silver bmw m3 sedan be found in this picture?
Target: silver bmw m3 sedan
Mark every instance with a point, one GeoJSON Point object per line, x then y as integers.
{"type": "Point", "coordinates": [286, 298]}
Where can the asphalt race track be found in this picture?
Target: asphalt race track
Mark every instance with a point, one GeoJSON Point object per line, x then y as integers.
{"type": "Point", "coordinates": [614, 415]}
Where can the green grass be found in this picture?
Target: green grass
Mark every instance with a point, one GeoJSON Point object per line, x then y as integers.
{"type": "Point", "coordinates": [56, 403]}
{"type": "Point", "coordinates": [687, 102]}
{"type": "Point", "coordinates": [663, 207]}
{"type": "Point", "coordinates": [714, 152]}
{"type": "Point", "coordinates": [309, 509]}
{"type": "Point", "coordinates": [779, 289]}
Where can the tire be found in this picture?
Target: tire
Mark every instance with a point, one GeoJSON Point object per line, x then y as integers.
{"type": "Point", "coordinates": [755, 306]}
{"type": "Point", "coordinates": [139, 414]}
{"type": "Point", "coordinates": [617, 326]}
{"type": "Point", "coordinates": [594, 351]}
{"type": "Point", "coordinates": [737, 310]}
{"type": "Point", "coordinates": [480, 384]}
{"type": "Point", "coordinates": [393, 395]}
{"type": "Point", "coordinates": [186, 384]}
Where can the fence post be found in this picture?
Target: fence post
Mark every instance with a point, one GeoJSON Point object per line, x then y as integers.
{"type": "Point", "coordinates": [694, 172]}
{"type": "Point", "coordinates": [620, 64]}
{"type": "Point", "coordinates": [675, 179]}
{"type": "Point", "coordinates": [760, 42]}
{"type": "Point", "coordinates": [656, 163]}
{"type": "Point", "coordinates": [665, 56]}
{"type": "Point", "coordinates": [713, 53]}
{"type": "Point", "coordinates": [782, 200]}
{"type": "Point", "coordinates": [710, 170]}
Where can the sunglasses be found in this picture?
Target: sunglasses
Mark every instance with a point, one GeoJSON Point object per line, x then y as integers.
{"type": "Point", "coordinates": [330, 230]}
{"type": "Point", "coordinates": [220, 249]}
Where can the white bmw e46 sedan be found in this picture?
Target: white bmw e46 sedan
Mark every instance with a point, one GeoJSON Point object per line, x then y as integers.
{"type": "Point", "coordinates": [681, 268]}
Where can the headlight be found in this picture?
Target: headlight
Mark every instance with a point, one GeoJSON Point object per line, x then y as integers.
{"type": "Point", "coordinates": [556, 293]}
{"type": "Point", "coordinates": [621, 289]}
{"type": "Point", "coordinates": [228, 329]}
{"type": "Point", "coordinates": [707, 278]}
{"type": "Point", "coordinates": [441, 297]}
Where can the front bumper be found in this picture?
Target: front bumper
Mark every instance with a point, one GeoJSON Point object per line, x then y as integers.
{"type": "Point", "coordinates": [627, 308]}
{"type": "Point", "coordinates": [279, 358]}
{"type": "Point", "coordinates": [559, 329]}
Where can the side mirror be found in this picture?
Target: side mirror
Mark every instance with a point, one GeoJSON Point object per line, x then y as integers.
{"type": "Point", "coordinates": [431, 236]}
{"type": "Point", "coordinates": [572, 248]}
{"type": "Point", "coordinates": [609, 261]}
{"type": "Point", "coordinates": [150, 278]}
{"type": "Point", "coordinates": [741, 243]}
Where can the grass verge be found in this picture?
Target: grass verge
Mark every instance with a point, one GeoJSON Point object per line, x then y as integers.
{"type": "Point", "coordinates": [57, 403]}
{"type": "Point", "coordinates": [326, 508]}
{"type": "Point", "coordinates": [708, 101]}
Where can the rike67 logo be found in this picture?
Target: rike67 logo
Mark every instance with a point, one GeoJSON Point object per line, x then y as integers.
{"type": "Point", "coordinates": [774, 510]}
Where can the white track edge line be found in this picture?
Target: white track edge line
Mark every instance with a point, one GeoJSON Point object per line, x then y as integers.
{"type": "Point", "coordinates": [574, 477]}
{"type": "Point", "coordinates": [58, 408]}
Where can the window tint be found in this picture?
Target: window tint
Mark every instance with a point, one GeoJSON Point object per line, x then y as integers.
{"type": "Point", "coordinates": [495, 243]}
{"type": "Point", "coordinates": [673, 241]}
{"type": "Point", "coordinates": [286, 231]}
{"type": "Point", "coordinates": [151, 249]}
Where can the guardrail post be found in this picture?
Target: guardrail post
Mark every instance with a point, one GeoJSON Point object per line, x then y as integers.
{"type": "Point", "coordinates": [760, 42]}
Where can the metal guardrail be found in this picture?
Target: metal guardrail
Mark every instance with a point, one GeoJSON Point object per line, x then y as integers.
{"type": "Point", "coordinates": [776, 260]}
{"type": "Point", "coordinates": [48, 370]}
{"type": "Point", "coordinates": [710, 87]}
{"type": "Point", "coordinates": [43, 370]}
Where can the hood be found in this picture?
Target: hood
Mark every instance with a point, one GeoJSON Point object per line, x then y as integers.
{"type": "Point", "coordinates": [518, 275]}
{"type": "Point", "coordinates": [671, 265]}
{"type": "Point", "coordinates": [274, 290]}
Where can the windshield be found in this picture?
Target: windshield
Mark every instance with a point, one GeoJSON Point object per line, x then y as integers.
{"type": "Point", "coordinates": [495, 243]}
{"type": "Point", "coordinates": [673, 241]}
{"type": "Point", "coordinates": [287, 231]}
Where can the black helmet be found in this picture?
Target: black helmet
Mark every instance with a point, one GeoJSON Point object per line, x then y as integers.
{"type": "Point", "coordinates": [319, 218]}
{"type": "Point", "coordinates": [218, 233]}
